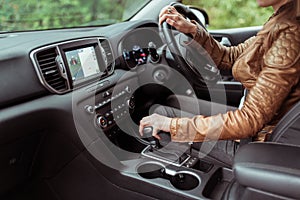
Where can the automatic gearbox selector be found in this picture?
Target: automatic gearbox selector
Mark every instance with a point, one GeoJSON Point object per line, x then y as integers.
{"type": "Point", "coordinates": [147, 133]}
{"type": "Point", "coordinates": [173, 153]}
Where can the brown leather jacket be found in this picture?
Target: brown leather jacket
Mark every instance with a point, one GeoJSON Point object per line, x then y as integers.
{"type": "Point", "coordinates": [268, 65]}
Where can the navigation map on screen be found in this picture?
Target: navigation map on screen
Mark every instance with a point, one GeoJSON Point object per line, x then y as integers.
{"type": "Point", "coordinates": [82, 62]}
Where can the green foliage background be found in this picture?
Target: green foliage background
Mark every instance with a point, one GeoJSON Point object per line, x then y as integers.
{"type": "Point", "coordinates": [233, 13]}
{"type": "Point", "coordinates": [44, 14]}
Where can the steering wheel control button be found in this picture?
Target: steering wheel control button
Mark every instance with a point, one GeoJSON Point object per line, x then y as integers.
{"type": "Point", "coordinates": [101, 121]}
{"type": "Point", "coordinates": [131, 103]}
{"type": "Point", "coordinates": [160, 76]}
{"type": "Point", "coordinates": [89, 109]}
{"type": "Point", "coordinates": [128, 89]}
{"type": "Point", "coordinates": [106, 94]}
{"type": "Point", "coordinates": [154, 57]}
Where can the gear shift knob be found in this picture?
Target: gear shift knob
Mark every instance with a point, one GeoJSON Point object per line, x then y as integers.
{"type": "Point", "coordinates": [147, 132]}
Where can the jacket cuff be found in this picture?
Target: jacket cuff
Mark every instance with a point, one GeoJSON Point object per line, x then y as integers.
{"type": "Point", "coordinates": [199, 39]}
{"type": "Point", "coordinates": [201, 34]}
{"type": "Point", "coordinates": [174, 126]}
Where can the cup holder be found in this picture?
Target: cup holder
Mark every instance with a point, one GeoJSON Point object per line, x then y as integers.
{"type": "Point", "coordinates": [184, 181]}
{"type": "Point", "coordinates": [151, 170]}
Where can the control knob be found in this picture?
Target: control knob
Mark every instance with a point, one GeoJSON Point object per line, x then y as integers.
{"type": "Point", "coordinates": [101, 121]}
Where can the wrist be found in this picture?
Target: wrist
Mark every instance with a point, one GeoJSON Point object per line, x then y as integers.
{"type": "Point", "coordinates": [194, 30]}
{"type": "Point", "coordinates": [166, 124]}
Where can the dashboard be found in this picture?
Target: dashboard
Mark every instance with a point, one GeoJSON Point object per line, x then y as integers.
{"type": "Point", "coordinates": [86, 66]}
{"type": "Point", "coordinates": [21, 77]}
{"type": "Point", "coordinates": [58, 85]}
{"type": "Point", "coordinates": [73, 72]}
{"type": "Point", "coordinates": [64, 66]}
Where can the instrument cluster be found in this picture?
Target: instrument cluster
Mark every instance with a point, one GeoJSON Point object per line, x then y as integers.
{"type": "Point", "coordinates": [139, 46]}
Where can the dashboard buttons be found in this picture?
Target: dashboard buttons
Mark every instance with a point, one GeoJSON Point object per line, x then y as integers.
{"type": "Point", "coordinates": [131, 103]}
{"type": "Point", "coordinates": [112, 107]}
{"type": "Point", "coordinates": [154, 57]}
{"type": "Point", "coordinates": [89, 109]}
{"type": "Point", "coordinates": [106, 94]}
{"type": "Point", "coordinates": [128, 90]}
{"type": "Point", "coordinates": [160, 76]}
{"type": "Point", "coordinates": [101, 121]}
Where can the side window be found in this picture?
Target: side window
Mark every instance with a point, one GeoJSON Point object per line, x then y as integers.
{"type": "Point", "coordinates": [233, 13]}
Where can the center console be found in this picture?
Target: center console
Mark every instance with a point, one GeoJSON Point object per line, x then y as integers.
{"type": "Point", "coordinates": [177, 168]}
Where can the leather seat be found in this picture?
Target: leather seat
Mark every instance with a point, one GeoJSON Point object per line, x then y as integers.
{"type": "Point", "coordinates": [264, 171]}
{"type": "Point", "coordinates": [287, 130]}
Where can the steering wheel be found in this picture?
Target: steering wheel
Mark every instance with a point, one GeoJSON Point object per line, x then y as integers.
{"type": "Point", "coordinates": [197, 66]}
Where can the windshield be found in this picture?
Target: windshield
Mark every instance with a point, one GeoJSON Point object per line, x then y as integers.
{"type": "Point", "coordinates": [20, 15]}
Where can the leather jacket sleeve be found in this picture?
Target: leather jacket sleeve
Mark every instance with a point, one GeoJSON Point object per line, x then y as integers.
{"type": "Point", "coordinates": [224, 57]}
{"type": "Point", "coordinates": [279, 73]}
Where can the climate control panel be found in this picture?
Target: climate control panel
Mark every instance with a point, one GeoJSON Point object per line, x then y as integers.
{"type": "Point", "coordinates": [111, 106]}
{"type": "Point", "coordinates": [116, 113]}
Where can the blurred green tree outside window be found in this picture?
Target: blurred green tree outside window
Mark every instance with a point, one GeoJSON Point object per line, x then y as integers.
{"type": "Point", "coordinates": [19, 15]}
{"type": "Point", "coordinates": [233, 13]}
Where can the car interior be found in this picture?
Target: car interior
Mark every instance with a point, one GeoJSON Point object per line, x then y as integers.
{"type": "Point", "coordinates": [71, 101]}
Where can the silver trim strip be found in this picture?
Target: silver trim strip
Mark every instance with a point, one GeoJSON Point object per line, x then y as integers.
{"type": "Point", "coordinates": [162, 160]}
{"type": "Point", "coordinates": [228, 83]}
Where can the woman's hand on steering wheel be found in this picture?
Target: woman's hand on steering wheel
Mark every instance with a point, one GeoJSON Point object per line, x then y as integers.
{"type": "Point", "coordinates": [175, 19]}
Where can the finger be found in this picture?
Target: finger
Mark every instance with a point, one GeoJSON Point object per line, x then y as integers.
{"type": "Point", "coordinates": [172, 22]}
{"type": "Point", "coordinates": [164, 11]}
{"type": "Point", "coordinates": [141, 128]}
{"type": "Point", "coordinates": [167, 10]}
{"type": "Point", "coordinates": [174, 17]}
{"type": "Point", "coordinates": [154, 134]}
{"type": "Point", "coordinates": [162, 18]}
{"type": "Point", "coordinates": [157, 136]}
{"type": "Point", "coordinates": [144, 122]}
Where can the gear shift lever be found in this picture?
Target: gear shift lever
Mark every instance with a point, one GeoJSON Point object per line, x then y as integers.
{"type": "Point", "coordinates": [154, 142]}
{"type": "Point", "coordinates": [174, 153]}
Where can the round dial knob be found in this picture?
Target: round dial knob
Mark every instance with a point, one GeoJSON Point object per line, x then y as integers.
{"type": "Point", "coordinates": [101, 121]}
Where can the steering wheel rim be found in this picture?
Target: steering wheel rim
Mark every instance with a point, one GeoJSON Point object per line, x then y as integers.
{"type": "Point", "coordinates": [203, 76]}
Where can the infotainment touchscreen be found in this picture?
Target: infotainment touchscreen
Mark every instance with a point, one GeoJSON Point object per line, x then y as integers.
{"type": "Point", "coordinates": [82, 62]}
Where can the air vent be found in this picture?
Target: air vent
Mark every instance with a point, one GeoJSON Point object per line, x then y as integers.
{"type": "Point", "coordinates": [51, 74]}
{"type": "Point", "coordinates": [109, 55]}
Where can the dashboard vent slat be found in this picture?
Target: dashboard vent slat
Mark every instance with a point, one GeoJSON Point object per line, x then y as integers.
{"type": "Point", "coordinates": [50, 72]}
{"type": "Point", "coordinates": [108, 51]}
